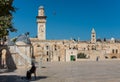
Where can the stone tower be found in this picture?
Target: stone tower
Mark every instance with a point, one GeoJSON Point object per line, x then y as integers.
{"type": "Point", "coordinates": [41, 22]}
{"type": "Point", "coordinates": [93, 36]}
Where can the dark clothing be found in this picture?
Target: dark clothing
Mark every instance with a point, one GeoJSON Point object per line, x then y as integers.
{"type": "Point", "coordinates": [32, 70]}
{"type": "Point", "coordinates": [28, 75]}
{"type": "Point", "coordinates": [97, 58]}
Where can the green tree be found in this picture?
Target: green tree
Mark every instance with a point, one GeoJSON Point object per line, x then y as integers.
{"type": "Point", "coordinates": [6, 24]}
{"type": "Point", "coordinates": [81, 55]}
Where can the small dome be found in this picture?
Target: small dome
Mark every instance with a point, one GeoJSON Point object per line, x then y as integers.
{"type": "Point", "coordinates": [23, 39]}
{"type": "Point", "coordinates": [112, 39]}
{"type": "Point", "coordinates": [41, 7]}
{"type": "Point", "coordinates": [93, 30]}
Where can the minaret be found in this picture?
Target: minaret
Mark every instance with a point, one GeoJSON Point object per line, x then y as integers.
{"type": "Point", "coordinates": [93, 36]}
{"type": "Point", "coordinates": [41, 24]}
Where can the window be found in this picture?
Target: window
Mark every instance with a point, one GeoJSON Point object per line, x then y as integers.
{"type": "Point", "coordinates": [113, 51]}
{"type": "Point", "coordinates": [38, 45]}
{"type": "Point", "coordinates": [55, 47]}
{"type": "Point", "coordinates": [84, 48]}
{"type": "Point", "coordinates": [47, 53]}
{"type": "Point", "coordinates": [116, 51]}
{"type": "Point", "coordinates": [93, 48]}
{"type": "Point", "coordinates": [88, 49]}
{"type": "Point", "coordinates": [47, 59]}
{"type": "Point", "coordinates": [71, 52]}
{"type": "Point", "coordinates": [47, 47]}
{"type": "Point", "coordinates": [58, 58]}
{"type": "Point", "coordinates": [74, 47]}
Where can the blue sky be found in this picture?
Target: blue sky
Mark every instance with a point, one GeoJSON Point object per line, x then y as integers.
{"type": "Point", "coordinates": [69, 18]}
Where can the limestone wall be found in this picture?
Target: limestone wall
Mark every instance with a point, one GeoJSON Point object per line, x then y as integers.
{"type": "Point", "coordinates": [21, 55]}
{"type": "Point", "coordinates": [55, 50]}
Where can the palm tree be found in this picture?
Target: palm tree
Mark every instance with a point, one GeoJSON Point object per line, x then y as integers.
{"type": "Point", "coordinates": [6, 24]}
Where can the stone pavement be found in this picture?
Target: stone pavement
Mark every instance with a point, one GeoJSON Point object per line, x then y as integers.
{"type": "Point", "coordinates": [82, 71]}
{"type": "Point", "coordinates": [10, 77]}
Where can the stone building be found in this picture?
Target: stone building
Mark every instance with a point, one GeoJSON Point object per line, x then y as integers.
{"type": "Point", "coordinates": [68, 50]}
{"type": "Point", "coordinates": [21, 51]}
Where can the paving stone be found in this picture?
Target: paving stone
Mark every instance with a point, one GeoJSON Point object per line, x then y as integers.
{"type": "Point", "coordinates": [82, 71]}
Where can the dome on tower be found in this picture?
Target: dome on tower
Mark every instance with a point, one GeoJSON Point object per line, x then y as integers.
{"type": "Point", "coordinates": [41, 7]}
{"type": "Point", "coordinates": [93, 30]}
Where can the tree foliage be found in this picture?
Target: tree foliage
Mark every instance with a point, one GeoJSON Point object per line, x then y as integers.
{"type": "Point", "coordinates": [81, 55]}
{"type": "Point", "coordinates": [6, 24]}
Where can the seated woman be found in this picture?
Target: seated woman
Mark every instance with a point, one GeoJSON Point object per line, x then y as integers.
{"type": "Point", "coordinates": [32, 70]}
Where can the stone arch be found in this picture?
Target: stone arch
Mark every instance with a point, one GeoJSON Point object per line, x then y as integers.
{"type": "Point", "coordinates": [88, 47]}
{"type": "Point", "coordinates": [106, 57]}
{"type": "Point", "coordinates": [47, 47]}
{"type": "Point", "coordinates": [93, 47]}
{"type": "Point", "coordinates": [114, 57]}
{"type": "Point", "coordinates": [59, 46]}
{"type": "Point", "coordinates": [35, 45]}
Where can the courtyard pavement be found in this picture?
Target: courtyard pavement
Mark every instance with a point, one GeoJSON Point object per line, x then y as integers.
{"type": "Point", "coordinates": [81, 71]}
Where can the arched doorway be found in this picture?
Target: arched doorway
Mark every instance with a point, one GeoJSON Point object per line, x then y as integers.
{"type": "Point", "coordinates": [113, 57]}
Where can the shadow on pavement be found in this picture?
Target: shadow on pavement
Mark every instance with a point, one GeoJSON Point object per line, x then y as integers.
{"type": "Point", "coordinates": [11, 78]}
{"type": "Point", "coordinates": [33, 79]}
{"type": "Point", "coordinates": [38, 78]}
